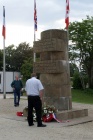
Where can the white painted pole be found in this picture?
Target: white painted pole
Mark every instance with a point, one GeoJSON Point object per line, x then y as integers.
{"type": "Point", "coordinates": [3, 33]}
{"type": "Point", "coordinates": [34, 53]}
{"type": "Point", "coordinates": [4, 73]}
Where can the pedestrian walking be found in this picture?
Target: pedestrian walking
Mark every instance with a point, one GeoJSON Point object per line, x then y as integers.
{"type": "Point", "coordinates": [17, 87]}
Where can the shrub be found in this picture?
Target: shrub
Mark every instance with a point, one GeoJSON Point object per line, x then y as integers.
{"type": "Point", "coordinates": [77, 81]}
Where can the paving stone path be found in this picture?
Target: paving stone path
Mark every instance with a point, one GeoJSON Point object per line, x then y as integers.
{"type": "Point", "coordinates": [13, 127]}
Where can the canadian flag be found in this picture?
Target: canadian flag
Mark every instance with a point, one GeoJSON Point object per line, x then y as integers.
{"type": "Point", "coordinates": [67, 14]}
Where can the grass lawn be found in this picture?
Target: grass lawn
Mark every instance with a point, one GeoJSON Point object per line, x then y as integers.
{"type": "Point", "coordinates": [82, 96]}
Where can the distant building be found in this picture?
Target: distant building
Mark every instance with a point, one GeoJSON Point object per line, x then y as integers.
{"type": "Point", "coordinates": [10, 76]}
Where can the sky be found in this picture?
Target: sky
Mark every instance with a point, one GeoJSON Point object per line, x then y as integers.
{"type": "Point", "coordinates": [19, 17]}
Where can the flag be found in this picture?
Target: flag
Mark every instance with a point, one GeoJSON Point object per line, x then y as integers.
{"type": "Point", "coordinates": [35, 16]}
{"type": "Point", "coordinates": [67, 14]}
{"type": "Point", "coordinates": [3, 28]}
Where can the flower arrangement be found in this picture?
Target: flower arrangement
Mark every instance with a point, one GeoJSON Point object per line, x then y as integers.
{"type": "Point", "coordinates": [47, 112]}
{"type": "Point", "coordinates": [48, 109]}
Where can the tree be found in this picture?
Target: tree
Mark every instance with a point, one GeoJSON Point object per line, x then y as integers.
{"type": "Point", "coordinates": [77, 81]}
{"type": "Point", "coordinates": [15, 56]}
{"type": "Point", "coordinates": [27, 69]}
{"type": "Point", "coordinates": [23, 52]}
{"type": "Point", "coordinates": [9, 52]}
{"type": "Point", "coordinates": [81, 35]}
{"type": "Point", "coordinates": [73, 68]}
{"type": "Point", "coordinates": [1, 60]}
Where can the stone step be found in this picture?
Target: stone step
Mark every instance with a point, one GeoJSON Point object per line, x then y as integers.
{"type": "Point", "coordinates": [71, 114]}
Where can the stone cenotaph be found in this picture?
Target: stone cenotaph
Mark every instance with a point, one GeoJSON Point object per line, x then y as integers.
{"type": "Point", "coordinates": [54, 68]}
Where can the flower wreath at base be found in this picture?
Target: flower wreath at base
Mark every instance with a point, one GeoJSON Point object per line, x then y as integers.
{"type": "Point", "coordinates": [48, 114]}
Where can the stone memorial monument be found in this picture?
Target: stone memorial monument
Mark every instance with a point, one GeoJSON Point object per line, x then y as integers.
{"type": "Point", "coordinates": [53, 67]}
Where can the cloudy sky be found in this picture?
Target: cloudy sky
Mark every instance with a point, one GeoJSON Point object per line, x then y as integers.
{"type": "Point", "coordinates": [50, 15]}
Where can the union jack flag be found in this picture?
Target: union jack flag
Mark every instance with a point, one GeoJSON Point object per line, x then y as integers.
{"type": "Point", "coordinates": [3, 28]}
{"type": "Point", "coordinates": [67, 14]}
{"type": "Point", "coordinates": [35, 16]}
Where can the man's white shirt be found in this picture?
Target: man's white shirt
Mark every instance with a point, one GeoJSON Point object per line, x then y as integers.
{"type": "Point", "coordinates": [33, 86]}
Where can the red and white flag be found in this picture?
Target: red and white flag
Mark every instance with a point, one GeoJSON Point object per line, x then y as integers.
{"type": "Point", "coordinates": [3, 28]}
{"type": "Point", "coordinates": [67, 14]}
{"type": "Point", "coordinates": [35, 16]}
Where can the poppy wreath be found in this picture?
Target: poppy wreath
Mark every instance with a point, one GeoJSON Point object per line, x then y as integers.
{"type": "Point", "coordinates": [48, 113]}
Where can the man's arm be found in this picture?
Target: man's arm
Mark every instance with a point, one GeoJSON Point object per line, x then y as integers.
{"type": "Point", "coordinates": [21, 85]}
{"type": "Point", "coordinates": [12, 84]}
{"type": "Point", "coordinates": [41, 92]}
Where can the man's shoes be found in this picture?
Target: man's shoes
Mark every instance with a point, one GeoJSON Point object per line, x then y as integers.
{"type": "Point", "coordinates": [42, 125]}
{"type": "Point", "coordinates": [31, 124]}
{"type": "Point", "coordinates": [17, 104]}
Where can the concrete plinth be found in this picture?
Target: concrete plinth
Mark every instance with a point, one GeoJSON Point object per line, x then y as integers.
{"type": "Point", "coordinates": [72, 114]}
{"type": "Point", "coordinates": [67, 114]}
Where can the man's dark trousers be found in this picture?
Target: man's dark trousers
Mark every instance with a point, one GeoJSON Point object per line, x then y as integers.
{"type": "Point", "coordinates": [16, 97]}
{"type": "Point", "coordinates": [34, 101]}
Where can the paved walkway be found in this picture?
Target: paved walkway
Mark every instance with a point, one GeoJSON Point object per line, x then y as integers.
{"type": "Point", "coordinates": [13, 127]}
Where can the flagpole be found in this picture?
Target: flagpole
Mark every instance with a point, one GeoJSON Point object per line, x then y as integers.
{"type": "Point", "coordinates": [34, 41]}
{"type": "Point", "coordinates": [35, 25]}
{"type": "Point", "coordinates": [67, 25]}
{"type": "Point", "coordinates": [4, 77]}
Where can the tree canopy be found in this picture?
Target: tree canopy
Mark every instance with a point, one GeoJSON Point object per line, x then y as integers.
{"type": "Point", "coordinates": [18, 58]}
{"type": "Point", "coordinates": [81, 36]}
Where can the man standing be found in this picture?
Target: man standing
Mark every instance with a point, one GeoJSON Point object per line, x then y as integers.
{"type": "Point", "coordinates": [34, 90]}
{"type": "Point", "coordinates": [17, 87]}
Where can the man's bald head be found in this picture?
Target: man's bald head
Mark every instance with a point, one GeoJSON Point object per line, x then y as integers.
{"type": "Point", "coordinates": [33, 75]}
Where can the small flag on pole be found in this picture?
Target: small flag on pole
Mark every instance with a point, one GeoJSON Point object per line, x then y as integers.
{"type": "Point", "coordinates": [67, 14]}
{"type": "Point", "coordinates": [35, 16]}
{"type": "Point", "coordinates": [3, 28]}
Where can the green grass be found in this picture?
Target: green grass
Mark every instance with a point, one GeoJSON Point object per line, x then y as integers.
{"type": "Point", "coordinates": [82, 96]}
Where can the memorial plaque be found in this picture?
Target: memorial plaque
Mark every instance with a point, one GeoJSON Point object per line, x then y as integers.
{"type": "Point", "coordinates": [50, 45]}
{"type": "Point", "coordinates": [50, 66]}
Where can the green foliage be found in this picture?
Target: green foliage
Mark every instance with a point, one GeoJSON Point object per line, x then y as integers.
{"type": "Point", "coordinates": [15, 56]}
{"type": "Point", "coordinates": [81, 35]}
{"type": "Point", "coordinates": [77, 81]}
{"type": "Point", "coordinates": [9, 53]}
{"type": "Point", "coordinates": [73, 68]}
{"type": "Point", "coordinates": [22, 53]}
{"type": "Point", "coordinates": [27, 69]}
{"type": "Point", "coordinates": [20, 59]}
{"type": "Point", "coordinates": [1, 60]}
{"type": "Point", "coordinates": [82, 96]}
